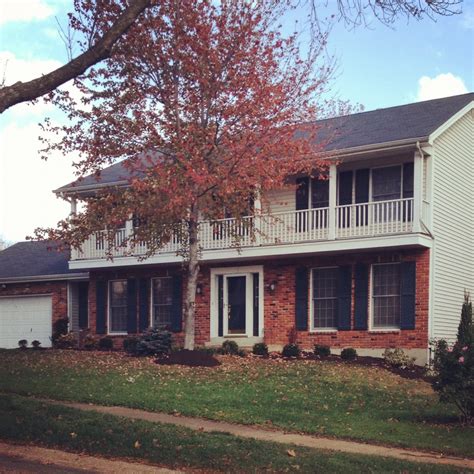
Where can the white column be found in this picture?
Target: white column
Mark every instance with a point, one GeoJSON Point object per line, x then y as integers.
{"type": "Point", "coordinates": [332, 201]}
{"type": "Point", "coordinates": [257, 212]}
{"type": "Point", "coordinates": [417, 190]}
{"type": "Point", "coordinates": [129, 230]}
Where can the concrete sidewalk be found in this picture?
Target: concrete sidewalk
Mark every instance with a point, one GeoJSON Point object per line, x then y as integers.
{"type": "Point", "coordinates": [275, 436]}
{"type": "Point", "coordinates": [22, 459]}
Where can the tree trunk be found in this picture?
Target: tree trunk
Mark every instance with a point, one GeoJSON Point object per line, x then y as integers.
{"type": "Point", "coordinates": [193, 271]}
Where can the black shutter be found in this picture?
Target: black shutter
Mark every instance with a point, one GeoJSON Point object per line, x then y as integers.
{"type": "Point", "coordinates": [362, 196]}
{"type": "Point", "coordinates": [143, 304]}
{"type": "Point", "coordinates": [345, 188]}
{"type": "Point", "coordinates": [101, 306]}
{"type": "Point", "coordinates": [220, 315]}
{"type": "Point", "coordinates": [319, 193]}
{"type": "Point", "coordinates": [362, 186]}
{"type": "Point", "coordinates": [302, 202]}
{"type": "Point", "coordinates": [131, 306]}
{"type": "Point", "coordinates": [301, 301]}
{"type": "Point", "coordinates": [255, 304]}
{"type": "Point", "coordinates": [361, 302]}
{"type": "Point", "coordinates": [177, 308]}
{"type": "Point", "coordinates": [344, 281]}
{"type": "Point", "coordinates": [302, 193]}
{"type": "Point", "coordinates": [408, 292]}
{"type": "Point", "coordinates": [83, 303]}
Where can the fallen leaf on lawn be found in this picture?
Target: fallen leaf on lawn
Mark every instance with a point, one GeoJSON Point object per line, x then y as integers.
{"type": "Point", "coordinates": [137, 445]}
{"type": "Point", "coordinates": [73, 435]}
{"type": "Point", "coordinates": [291, 453]}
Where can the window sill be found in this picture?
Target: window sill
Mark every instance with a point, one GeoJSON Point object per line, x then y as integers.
{"type": "Point", "coordinates": [384, 330]}
{"type": "Point", "coordinates": [323, 331]}
{"type": "Point", "coordinates": [117, 334]}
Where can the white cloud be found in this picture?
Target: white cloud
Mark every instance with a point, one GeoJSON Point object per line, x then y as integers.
{"type": "Point", "coordinates": [442, 85]}
{"type": "Point", "coordinates": [24, 10]}
{"type": "Point", "coordinates": [467, 19]}
{"type": "Point", "coordinates": [26, 182]}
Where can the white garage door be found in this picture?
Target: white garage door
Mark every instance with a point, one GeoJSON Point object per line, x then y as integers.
{"type": "Point", "coordinates": [25, 317]}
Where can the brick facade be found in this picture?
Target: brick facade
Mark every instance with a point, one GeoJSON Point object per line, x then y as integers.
{"type": "Point", "coordinates": [58, 291]}
{"type": "Point", "coordinates": [279, 305]}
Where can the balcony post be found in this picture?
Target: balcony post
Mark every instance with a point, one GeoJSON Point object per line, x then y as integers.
{"type": "Point", "coordinates": [74, 252]}
{"type": "Point", "coordinates": [417, 190]}
{"type": "Point", "coordinates": [332, 201]}
{"type": "Point", "coordinates": [257, 212]}
{"type": "Point", "coordinates": [129, 231]}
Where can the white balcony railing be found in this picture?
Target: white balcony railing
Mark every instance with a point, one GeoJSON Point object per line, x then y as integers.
{"type": "Point", "coordinates": [372, 219]}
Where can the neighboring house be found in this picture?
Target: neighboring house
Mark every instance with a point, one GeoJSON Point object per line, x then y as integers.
{"type": "Point", "coordinates": [36, 289]}
{"type": "Point", "coordinates": [377, 256]}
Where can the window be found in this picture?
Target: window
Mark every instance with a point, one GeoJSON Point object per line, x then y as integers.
{"type": "Point", "coordinates": [386, 183]}
{"type": "Point", "coordinates": [118, 306]}
{"type": "Point", "coordinates": [386, 295]}
{"type": "Point", "coordinates": [325, 298]}
{"type": "Point", "coordinates": [162, 301]}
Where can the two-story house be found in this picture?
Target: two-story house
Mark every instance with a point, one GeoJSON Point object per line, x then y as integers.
{"type": "Point", "coordinates": [378, 255]}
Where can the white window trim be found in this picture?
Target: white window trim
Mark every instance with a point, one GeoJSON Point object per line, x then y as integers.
{"type": "Point", "coordinates": [214, 304]}
{"type": "Point", "coordinates": [109, 332]}
{"type": "Point", "coordinates": [313, 328]}
{"type": "Point", "coordinates": [373, 328]}
{"type": "Point", "coordinates": [151, 316]}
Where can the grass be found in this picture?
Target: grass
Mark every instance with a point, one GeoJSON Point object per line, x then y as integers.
{"type": "Point", "coordinates": [26, 420]}
{"type": "Point", "coordinates": [330, 398]}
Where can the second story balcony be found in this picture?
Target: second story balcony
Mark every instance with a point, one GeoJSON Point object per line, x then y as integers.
{"type": "Point", "coordinates": [346, 227]}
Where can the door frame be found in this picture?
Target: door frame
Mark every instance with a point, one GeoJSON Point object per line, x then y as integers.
{"type": "Point", "coordinates": [246, 271]}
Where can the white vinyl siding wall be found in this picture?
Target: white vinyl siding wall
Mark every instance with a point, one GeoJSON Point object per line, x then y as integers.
{"type": "Point", "coordinates": [282, 200]}
{"type": "Point", "coordinates": [453, 225]}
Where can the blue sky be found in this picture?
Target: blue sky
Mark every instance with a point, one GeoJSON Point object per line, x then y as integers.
{"type": "Point", "coordinates": [377, 67]}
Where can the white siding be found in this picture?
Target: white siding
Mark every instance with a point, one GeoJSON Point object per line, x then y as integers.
{"type": "Point", "coordinates": [280, 200]}
{"type": "Point", "coordinates": [453, 225]}
{"type": "Point", "coordinates": [73, 305]}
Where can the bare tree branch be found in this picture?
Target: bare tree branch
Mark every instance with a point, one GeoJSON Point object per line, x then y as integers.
{"type": "Point", "coordinates": [25, 91]}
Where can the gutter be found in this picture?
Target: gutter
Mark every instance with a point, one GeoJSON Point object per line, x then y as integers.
{"type": "Point", "coordinates": [40, 278]}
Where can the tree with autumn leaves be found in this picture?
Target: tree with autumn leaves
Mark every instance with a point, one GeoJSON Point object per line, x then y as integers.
{"type": "Point", "coordinates": [209, 106]}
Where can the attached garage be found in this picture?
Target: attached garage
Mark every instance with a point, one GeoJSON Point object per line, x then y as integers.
{"type": "Point", "coordinates": [25, 317]}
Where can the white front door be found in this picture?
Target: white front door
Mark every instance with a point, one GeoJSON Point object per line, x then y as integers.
{"type": "Point", "coordinates": [237, 303]}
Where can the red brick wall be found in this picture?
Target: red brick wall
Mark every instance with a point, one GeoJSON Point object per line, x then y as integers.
{"type": "Point", "coordinates": [279, 307]}
{"type": "Point", "coordinates": [58, 291]}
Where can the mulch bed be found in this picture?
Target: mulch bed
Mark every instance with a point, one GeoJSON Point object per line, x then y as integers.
{"type": "Point", "coordinates": [189, 358]}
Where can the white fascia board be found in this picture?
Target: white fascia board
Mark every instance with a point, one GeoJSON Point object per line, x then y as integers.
{"type": "Point", "coordinates": [41, 278]}
{"type": "Point", "coordinates": [442, 128]}
{"type": "Point", "coordinates": [252, 253]}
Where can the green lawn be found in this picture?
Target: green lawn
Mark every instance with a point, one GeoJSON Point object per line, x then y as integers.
{"type": "Point", "coordinates": [28, 421]}
{"type": "Point", "coordinates": [328, 398]}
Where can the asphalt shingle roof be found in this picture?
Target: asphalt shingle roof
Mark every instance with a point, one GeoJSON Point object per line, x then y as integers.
{"type": "Point", "coordinates": [404, 122]}
{"type": "Point", "coordinates": [32, 259]}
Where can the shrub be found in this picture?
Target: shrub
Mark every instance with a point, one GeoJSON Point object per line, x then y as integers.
{"type": "Point", "coordinates": [260, 349]}
{"type": "Point", "coordinates": [154, 342]}
{"type": "Point", "coordinates": [36, 344]}
{"type": "Point", "coordinates": [130, 344]}
{"type": "Point", "coordinates": [322, 351]}
{"type": "Point", "coordinates": [454, 376]}
{"type": "Point", "coordinates": [106, 343]}
{"type": "Point", "coordinates": [242, 353]}
{"type": "Point", "coordinates": [89, 342]}
{"type": "Point", "coordinates": [60, 328]}
{"type": "Point", "coordinates": [22, 343]}
{"type": "Point", "coordinates": [65, 341]}
{"type": "Point", "coordinates": [466, 328]}
{"type": "Point", "coordinates": [348, 353]}
{"type": "Point", "coordinates": [230, 348]}
{"type": "Point", "coordinates": [206, 350]}
{"type": "Point", "coordinates": [398, 358]}
{"type": "Point", "coordinates": [291, 350]}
